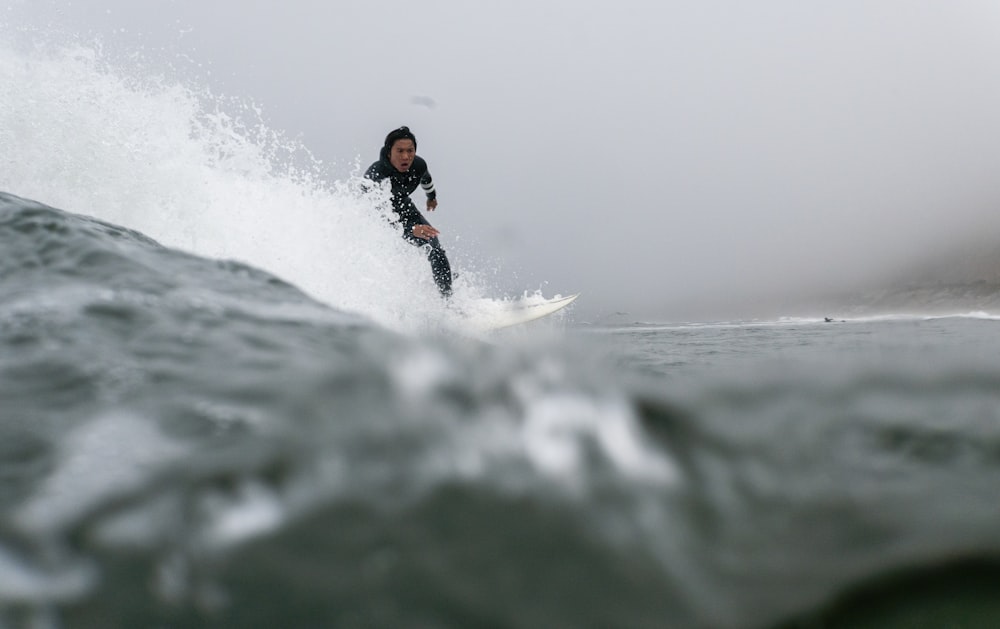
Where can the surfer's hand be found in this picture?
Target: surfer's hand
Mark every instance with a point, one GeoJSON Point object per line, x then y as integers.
{"type": "Point", "coordinates": [425, 231]}
{"type": "Point", "coordinates": [431, 205]}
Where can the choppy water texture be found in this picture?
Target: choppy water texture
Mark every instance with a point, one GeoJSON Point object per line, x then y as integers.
{"type": "Point", "coordinates": [217, 411]}
{"type": "Point", "coordinates": [187, 442]}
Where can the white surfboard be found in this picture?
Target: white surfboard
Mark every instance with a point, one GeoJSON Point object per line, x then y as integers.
{"type": "Point", "coordinates": [493, 314]}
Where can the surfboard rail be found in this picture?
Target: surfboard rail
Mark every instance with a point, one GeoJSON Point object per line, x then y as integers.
{"type": "Point", "coordinates": [492, 314]}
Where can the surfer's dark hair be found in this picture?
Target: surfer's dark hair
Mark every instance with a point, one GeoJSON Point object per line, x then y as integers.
{"type": "Point", "coordinates": [402, 133]}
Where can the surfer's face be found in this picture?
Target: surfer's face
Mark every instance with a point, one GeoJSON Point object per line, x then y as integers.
{"type": "Point", "coordinates": [401, 155]}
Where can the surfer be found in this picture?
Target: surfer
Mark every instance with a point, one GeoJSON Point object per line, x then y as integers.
{"type": "Point", "coordinates": [399, 163]}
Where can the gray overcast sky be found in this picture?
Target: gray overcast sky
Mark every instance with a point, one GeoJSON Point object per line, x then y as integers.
{"type": "Point", "coordinates": [658, 156]}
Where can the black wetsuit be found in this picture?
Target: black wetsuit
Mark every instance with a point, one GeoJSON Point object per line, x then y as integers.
{"type": "Point", "coordinates": [403, 185]}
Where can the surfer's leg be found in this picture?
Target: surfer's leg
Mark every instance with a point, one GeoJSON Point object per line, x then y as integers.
{"type": "Point", "coordinates": [440, 267]}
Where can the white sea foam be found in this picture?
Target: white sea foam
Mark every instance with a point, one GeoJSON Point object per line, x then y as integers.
{"type": "Point", "coordinates": [22, 582]}
{"type": "Point", "coordinates": [560, 430]}
{"type": "Point", "coordinates": [251, 510]}
{"type": "Point", "coordinates": [109, 456]}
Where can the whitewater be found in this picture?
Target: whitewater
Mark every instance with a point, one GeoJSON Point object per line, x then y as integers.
{"type": "Point", "coordinates": [223, 405]}
{"type": "Point", "coordinates": [205, 174]}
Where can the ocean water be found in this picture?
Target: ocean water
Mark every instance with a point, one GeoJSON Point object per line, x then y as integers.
{"type": "Point", "coordinates": [201, 426]}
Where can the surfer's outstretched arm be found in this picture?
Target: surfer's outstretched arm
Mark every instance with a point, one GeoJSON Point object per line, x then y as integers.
{"type": "Point", "coordinates": [427, 183]}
